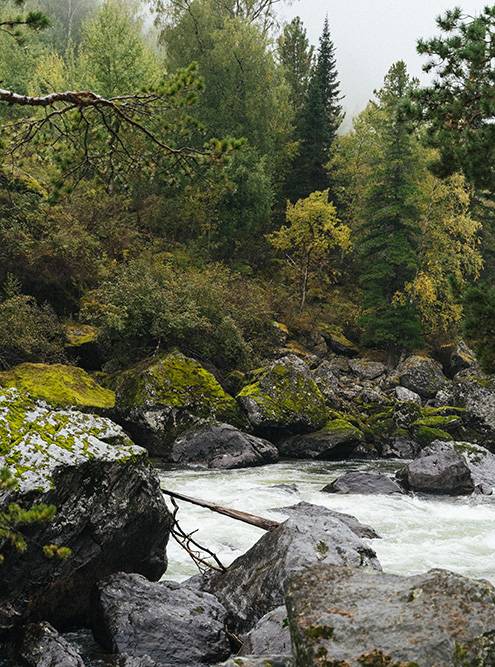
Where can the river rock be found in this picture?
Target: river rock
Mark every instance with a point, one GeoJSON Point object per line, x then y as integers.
{"type": "Point", "coordinates": [364, 483]}
{"type": "Point", "coordinates": [422, 375]}
{"type": "Point", "coordinates": [475, 392]}
{"type": "Point", "coordinates": [110, 510]}
{"type": "Point", "coordinates": [366, 369]}
{"type": "Point", "coordinates": [304, 509]}
{"type": "Point", "coordinates": [403, 394]}
{"type": "Point", "coordinates": [355, 617]}
{"type": "Point", "coordinates": [160, 398]}
{"type": "Point", "coordinates": [42, 646]}
{"type": "Point", "coordinates": [480, 461]}
{"type": "Point", "coordinates": [253, 585]}
{"type": "Point", "coordinates": [169, 623]}
{"type": "Point", "coordinates": [284, 398]}
{"type": "Point", "coordinates": [270, 635]}
{"type": "Point", "coordinates": [222, 446]}
{"type": "Point", "coordinates": [441, 471]}
{"type": "Point", "coordinates": [401, 448]}
{"type": "Point", "coordinates": [337, 440]}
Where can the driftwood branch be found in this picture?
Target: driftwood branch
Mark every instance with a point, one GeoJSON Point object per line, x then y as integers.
{"type": "Point", "coordinates": [246, 517]}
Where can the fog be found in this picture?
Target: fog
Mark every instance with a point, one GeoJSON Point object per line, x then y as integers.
{"type": "Point", "coordinates": [369, 35]}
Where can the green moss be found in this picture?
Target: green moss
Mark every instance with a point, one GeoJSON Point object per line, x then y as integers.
{"type": "Point", "coordinates": [438, 421]}
{"type": "Point", "coordinates": [319, 632]}
{"type": "Point", "coordinates": [175, 381]}
{"type": "Point", "coordinates": [80, 334]}
{"type": "Point", "coordinates": [59, 385]}
{"type": "Point", "coordinates": [285, 396]}
{"type": "Point", "coordinates": [444, 410]}
{"type": "Point", "coordinates": [427, 435]}
{"type": "Point", "coordinates": [344, 427]}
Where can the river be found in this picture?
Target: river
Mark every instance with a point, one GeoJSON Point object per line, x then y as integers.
{"type": "Point", "coordinates": [417, 533]}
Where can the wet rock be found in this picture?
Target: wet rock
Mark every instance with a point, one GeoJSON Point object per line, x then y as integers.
{"type": "Point", "coordinates": [364, 483]}
{"type": "Point", "coordinates": [476, 393]}
{"type": "Point", "coordinates": [356, 617]}
{"type": "Point", "coordinates": [422, 375]}
{"type": "Point", "coordinates": [284, 398]}
{"type": "Point", "coordinates": [337, 440]}
{"type": "Point", "coordinates": [42, 646]}
{"type": "Point", "coordinates": [270, 635]}
{"type": "Point", "coordinates": [130, 661]}
{"type": "Point", "coordinates": [222, 446]}
{"type": "Point", "coordinates": [403, 394]}
{"type": "Point", "coordinates": [480, 461]}
{"type": "Point", "coordinates": [110, 510]}
{"type": "Point", "coordinates": [304, 509]}
{"type": "Point", "coordinates": [169, 623]}
{"type": "Point", "coordinates": [159, 399]}
{"type": "Point", "coordinates": [364, 368]}
{"type": "Point", "coordinates": [253, 585]}
{"type": "Point", "coordinates": [401, 448]}
{"type": "Point", "coordinates": [442, 472]}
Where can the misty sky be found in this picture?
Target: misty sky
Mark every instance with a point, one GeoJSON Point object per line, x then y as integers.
{"type": "Point", "coordinates": [369, 35]}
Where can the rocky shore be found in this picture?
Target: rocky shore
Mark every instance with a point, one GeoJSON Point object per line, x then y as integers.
{"type": "Point", "coordinates": [309, 592]}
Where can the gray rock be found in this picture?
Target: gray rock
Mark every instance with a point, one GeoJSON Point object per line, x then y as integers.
{"type": "Point", "coordinates": [304, 509]}
{"type": "Point", "coordinates": [442, 472]}
{"type": "Point", "coordinates": [403, 394]}
{"type": "Point", "coordinates": [422, 375]}
{"type": "Point", "coordinates": [222, 446]}
{"type": "Point", "coordinates": [326, 378]}
{"type": "Point", "coordinates": [364, 368]}
{"type": "Point", "coordinates": [353, 617]}
{"type": "Point", "coordinates": [42, 646]}
{"type": "Point", "coordinates": [253, 585]}
{"type": "Point", "coordinates": [364, 483]}
{"type": "Point", "coordinates": [401, 448]}
{"type": "Point", "coordinates": [259, 661]}
{"type": "Point", "coordinates": [110, 510]}
{"type": "Point", "coordinates": [476, 393]}
{"type": "Point", "coordinates": [169, 623]}
{"type": "Point", "coordinates": [129, 661]}
{"type": "Point", "coordinates": [270, 635]}
{"type": "Point", "coordinates": [337, 440]}
{"type": "Point", "coordinates": [480, 461]}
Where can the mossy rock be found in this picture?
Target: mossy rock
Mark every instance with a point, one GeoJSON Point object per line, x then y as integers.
{"type": "Point", "coordinates": [78, 335]}
{"type": "Point", "coordinates": [335, 339]}
{"type": "Point", "coordinates": [174, 381]}
{"type": "Point", "coordinates": [427, 434]}
{"type": "Point", "coordinates": [60, 385]}
{"type": "Point", "coordinates": [285, 397]}
{"type": "Point", "coordinates": [444, 422]}
{"type": "Point", "coordinates": [36, 439]}
{"type": "Point", "coordinates": [343, 430]}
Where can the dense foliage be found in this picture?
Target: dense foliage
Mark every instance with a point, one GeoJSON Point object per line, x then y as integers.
{"type": "Point", "coordinates": [191, 184]}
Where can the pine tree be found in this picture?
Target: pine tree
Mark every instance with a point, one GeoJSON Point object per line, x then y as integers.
{"type": "Point", "coordinates": [388, 250]}
{"type": "Point", "coordinates": [296, 57]}
{"type": "Point", "coordinates": [319, 121]}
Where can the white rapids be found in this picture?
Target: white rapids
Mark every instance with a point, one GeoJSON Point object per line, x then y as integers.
{"type": "Point", "coordinates": [418, 533]}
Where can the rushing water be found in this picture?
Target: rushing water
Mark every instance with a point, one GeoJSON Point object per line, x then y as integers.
{"type": "Point", "coordinates": [418, 533]}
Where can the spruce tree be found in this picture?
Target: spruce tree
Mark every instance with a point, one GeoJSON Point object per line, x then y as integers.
{"type": "Point", "coordinates": [296, 57]}
{"type": "Point", "coordinates": [319, 121]}
{"type": "Point", "coordinates": [388, 249]}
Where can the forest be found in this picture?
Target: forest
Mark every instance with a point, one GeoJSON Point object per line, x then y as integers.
{"type": "Point", "coordinates": [206, 267]}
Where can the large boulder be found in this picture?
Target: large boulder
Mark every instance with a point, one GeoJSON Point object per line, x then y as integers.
{"type": "Point", "coordinates": [480, 461]}
{"type": "Point", "coordinates": [338, 439]}
{"type": "Point", "coordinates": [420, 374]}
{"type": "Point", "coordinates": [475, 392]}
{"type": "Point", "coordinates": [403, 394]}
{"type": "Point", "coordinates": [42, 646]}
{"type": "Point", "coordinates": [441, 471]}
{"type": "Point", "coordinates": [222, 446]}
{"type": "Point", "coordinates": [284, 398]}
{"type": "Point", "coordinates": [363, 482]}
{"type": "Point", "coordinates": [169, 623]}
{"type": "Point", "coordinates": [355, 617]}
{"type": "Point", "coordinates": [367, 369]}
{"type": "Point", "coordinates": [303, 509]}
{"type": "Point", "coordinates": [59, 385]}
{"type": "Point", "coordinates": [110, 510]}
{"type": "Point", "coordinates": [160, 398]}
{"type": "Point", "coordinates": [253, 585]}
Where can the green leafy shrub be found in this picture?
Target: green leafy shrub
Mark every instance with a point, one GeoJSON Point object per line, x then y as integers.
{"type": "Point", "coordinates": [209, 312]}
{"type": "Point", "coordinates": [29, 332]}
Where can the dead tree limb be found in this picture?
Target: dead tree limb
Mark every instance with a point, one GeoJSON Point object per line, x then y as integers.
{"type": "Point", "coordinates": [246, 517]}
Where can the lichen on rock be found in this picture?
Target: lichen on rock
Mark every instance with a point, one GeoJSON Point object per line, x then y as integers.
{"type": "Point", "coordinates": [35, 439]}
{"type": "Point", "coordinates": [60, 385]}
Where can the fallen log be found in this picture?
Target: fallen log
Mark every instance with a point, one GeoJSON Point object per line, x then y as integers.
{"type": "Point", "coordinates": [246, 517]}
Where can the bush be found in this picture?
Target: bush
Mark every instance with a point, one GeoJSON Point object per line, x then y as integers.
{"type": "Point", "coordinates": [29, 332]}
{"type": "Point", "coordinates": [209, 312]}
